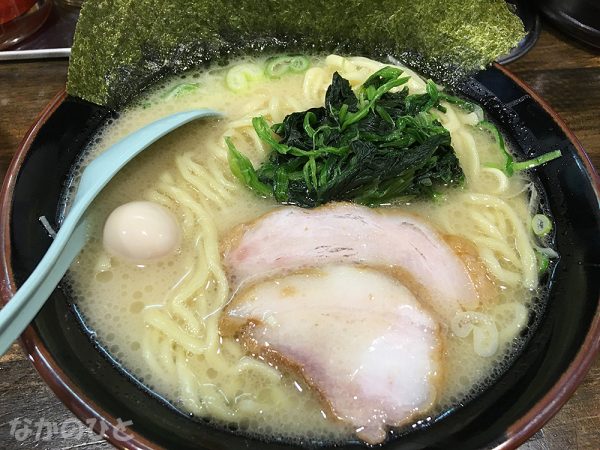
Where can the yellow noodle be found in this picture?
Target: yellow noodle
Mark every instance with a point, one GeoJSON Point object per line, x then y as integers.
{"type": "Point", "coordinates": [181, 338]}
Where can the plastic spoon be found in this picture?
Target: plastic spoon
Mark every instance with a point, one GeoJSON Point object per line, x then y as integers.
{"type": "Point", "coordinates": [71, 237]}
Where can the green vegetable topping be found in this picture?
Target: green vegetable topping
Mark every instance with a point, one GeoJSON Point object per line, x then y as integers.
{"type": "Point", "coordinates": [510, 166]}
{"type": "Point", "coordinates": [242, 168]}
{"type": "Point", "coordinates": [179, 90]}
{"type": "Point", "coordinates": [531, 163]}
{"type": "Point", "coordinates": [541, 225]}
{"type": "Point", "coordinates": [240, 76]}
{"type": "Point", "coordinates": [543, 263]}
{"type": "Point", "coordinates": [372, 147]}
{"type": "Point", "coordinates": [463, 104]}
{"type": "Point", "coordinates": [280, 65]}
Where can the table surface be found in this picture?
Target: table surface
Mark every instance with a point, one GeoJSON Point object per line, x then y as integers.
{"type": "Point", "coordinates": [564, 72]}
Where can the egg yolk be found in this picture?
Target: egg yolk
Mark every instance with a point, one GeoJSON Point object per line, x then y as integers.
{"type": "Point", "coordinates": [141, 231]}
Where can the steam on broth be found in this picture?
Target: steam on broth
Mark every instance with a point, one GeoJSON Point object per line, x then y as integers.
{"type": "Point", "coordinates": [160, 319]}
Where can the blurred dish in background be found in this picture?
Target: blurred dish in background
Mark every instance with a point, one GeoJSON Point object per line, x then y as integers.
{"type": "Point", "coordinates": [20, 19]}
{"type": "Point", "coordinates": [52, 40]}
{"type": "Point", "coordinates": [579, 18]}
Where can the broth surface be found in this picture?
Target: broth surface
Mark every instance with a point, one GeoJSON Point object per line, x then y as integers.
{"type": "Point", "coordinates": [158, 319]}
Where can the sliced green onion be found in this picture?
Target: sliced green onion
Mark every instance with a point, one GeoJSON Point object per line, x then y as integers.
{"type": "Point", "coordinates": [277, 66]}
{"type": "Point", "coordinates": [541, 225]}
{"type": "Point", "coordinates": [299, 64]}
{"type": "Point", "coordinates": [280, 65]}
{"type": "Point", "coordinates": [543, 263]}
{"type": "Point", "coordinates": [179, 90]}
{"type": "Point", "coordinates": [239, 77]}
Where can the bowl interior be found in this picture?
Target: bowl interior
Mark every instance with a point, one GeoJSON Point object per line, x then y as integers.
{"type": "Point", "coordinates": [571, 308]}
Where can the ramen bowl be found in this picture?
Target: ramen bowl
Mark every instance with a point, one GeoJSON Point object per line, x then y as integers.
{"type": "Point", "coordinates": [562, 343]}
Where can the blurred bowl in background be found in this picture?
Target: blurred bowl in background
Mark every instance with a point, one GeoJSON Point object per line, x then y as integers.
{"type": "Point", "coordinates": [20, 19]}
{"type": "Point", "coordinates": [578, 18]}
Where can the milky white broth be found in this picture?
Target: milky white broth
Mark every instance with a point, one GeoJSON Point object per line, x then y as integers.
{"type": "Point", "coordinates": [113, 295]}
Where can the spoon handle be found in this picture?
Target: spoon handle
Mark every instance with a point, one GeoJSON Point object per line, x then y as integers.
{"type": "Point", "coordinates": [71, 237]}
{"type": "Point", "coordinates": [31, 296]}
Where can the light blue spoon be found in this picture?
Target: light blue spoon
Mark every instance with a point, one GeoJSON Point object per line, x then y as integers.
{"type": "Point", "coordinates": [70, 239]}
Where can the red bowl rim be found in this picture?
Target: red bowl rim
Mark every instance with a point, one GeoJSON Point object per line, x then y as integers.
{"type": "Point", "coordinates": [108, 427]}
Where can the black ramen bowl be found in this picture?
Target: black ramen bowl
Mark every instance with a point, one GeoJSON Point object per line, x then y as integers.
{"type": "Point", "coordinates": [561, 344]}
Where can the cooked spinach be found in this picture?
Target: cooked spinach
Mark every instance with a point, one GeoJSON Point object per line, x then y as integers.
{"type": "Point", "coordinates": [371, 147]}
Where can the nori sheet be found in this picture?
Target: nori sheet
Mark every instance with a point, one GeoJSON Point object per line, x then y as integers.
{"type": "Point", "coordinates": [121, 46]}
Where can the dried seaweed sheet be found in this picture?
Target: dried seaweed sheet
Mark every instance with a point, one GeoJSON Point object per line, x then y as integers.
{"type": "Point", "coordinates": [121, 46]}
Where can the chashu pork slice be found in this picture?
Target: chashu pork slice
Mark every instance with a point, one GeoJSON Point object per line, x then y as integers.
{"type": "Point", "coordinates": [356, 335]}
{"type": "Point", "coordinates": [290, 238]}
